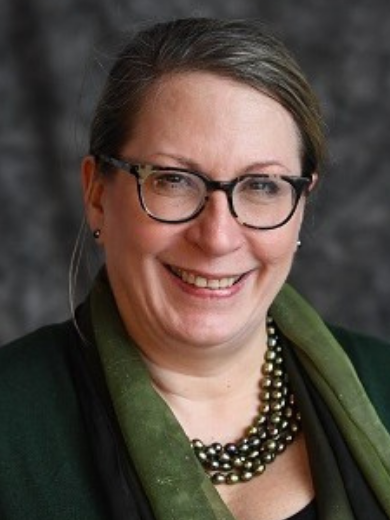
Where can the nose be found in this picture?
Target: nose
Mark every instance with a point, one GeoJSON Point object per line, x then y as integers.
{"type": "Point", "coordinates": [215, 231]}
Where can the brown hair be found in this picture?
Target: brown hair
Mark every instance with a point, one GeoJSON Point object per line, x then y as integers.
{"type": "Point", "coordinates": [241, 50]}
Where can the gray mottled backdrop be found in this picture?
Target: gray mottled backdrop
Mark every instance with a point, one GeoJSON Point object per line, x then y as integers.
{"type": "Point", "coordinates": [49, 81]}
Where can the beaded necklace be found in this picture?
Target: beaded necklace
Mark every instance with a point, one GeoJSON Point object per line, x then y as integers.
{"type": "Point", "coordinates": [274, 428]}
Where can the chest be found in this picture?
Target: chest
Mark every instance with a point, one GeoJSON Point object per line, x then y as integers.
{"type": "Point", "coordinates": [284, 489]}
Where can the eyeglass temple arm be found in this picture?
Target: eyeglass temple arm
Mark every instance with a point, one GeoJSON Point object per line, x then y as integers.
{"type": "Point", "coordinates": [121, 165]}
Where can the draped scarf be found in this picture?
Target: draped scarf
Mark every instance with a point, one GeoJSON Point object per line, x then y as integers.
{"type": "Point", "coordinates": [349, 447]}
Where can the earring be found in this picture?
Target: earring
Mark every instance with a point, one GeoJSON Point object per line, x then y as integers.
{"type": "Point", "coordinates": [96, 234]}
{"type": "Point", "coordinates": [299, 244]}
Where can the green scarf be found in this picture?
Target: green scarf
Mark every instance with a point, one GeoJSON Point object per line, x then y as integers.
{"type": "Point", "coordinates": [173, 480]}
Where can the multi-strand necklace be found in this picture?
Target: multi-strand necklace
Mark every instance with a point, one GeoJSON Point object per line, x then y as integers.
{"type": "Point", "coordinates": [274, 428]}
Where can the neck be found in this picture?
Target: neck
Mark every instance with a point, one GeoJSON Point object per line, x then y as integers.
{"type": "Point", "coordinates": [214, 393]}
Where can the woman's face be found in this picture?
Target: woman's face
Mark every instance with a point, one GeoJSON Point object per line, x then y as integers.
{"type": "Point", "coordinates": [223, 129]}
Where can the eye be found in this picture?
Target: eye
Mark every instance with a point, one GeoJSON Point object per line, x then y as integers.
{"type": "Point", "coordinates": [173, 184]}
{"type": "Point", "coordinates": [263, 186]}
{"type": "Point", "coordinates": [261, 189]}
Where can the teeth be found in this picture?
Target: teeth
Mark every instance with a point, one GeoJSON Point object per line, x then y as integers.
{"type": "Point", "coordinates": [200, 281]}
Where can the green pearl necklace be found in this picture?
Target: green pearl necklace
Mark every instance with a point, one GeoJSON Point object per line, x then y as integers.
{"type": "Point", "coordinates": [275, 427]}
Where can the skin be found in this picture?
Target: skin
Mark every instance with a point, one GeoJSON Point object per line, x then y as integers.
{"type": "Point", "coordinates": [203, 347]}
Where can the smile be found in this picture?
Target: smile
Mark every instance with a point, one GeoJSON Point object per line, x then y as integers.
{"type": "Point", "coordinates": [202, 282]}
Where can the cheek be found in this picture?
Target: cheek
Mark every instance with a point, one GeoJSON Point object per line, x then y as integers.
{"type": "Point", "coordinates": [130, 236]}
{"type": "Point", "coordinates": [120, 228]}
{"type": "Point", "coordinates": [123, 215]}
{"type": "Point", "coordinates": [277, 247]}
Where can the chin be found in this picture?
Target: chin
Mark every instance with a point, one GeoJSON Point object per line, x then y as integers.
{"type": "Point", "coordinates": [211, 331]}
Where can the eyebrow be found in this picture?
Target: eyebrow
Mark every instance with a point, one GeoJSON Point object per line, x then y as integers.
{"type": "Point", "coordinates": [194, 166]}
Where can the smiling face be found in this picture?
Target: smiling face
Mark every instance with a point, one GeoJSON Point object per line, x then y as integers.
{"type": "Point", "coordinates": [209, 281]}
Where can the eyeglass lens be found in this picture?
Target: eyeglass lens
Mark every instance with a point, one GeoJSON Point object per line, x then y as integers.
{"type": "Point", "coordinates": [258, 201]}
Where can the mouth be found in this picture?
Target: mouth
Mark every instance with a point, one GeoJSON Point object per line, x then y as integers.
{"type": "Point", "coordinates": [203, 282]}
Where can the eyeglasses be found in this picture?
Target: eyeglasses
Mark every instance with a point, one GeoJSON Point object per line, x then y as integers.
{"type": "Point", "coordinates": [175, 195]}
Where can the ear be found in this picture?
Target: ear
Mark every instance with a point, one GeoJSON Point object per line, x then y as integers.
{"type": "Point", "coordinates": [93, 189]}
{"type": "Point", "coordinates": [312, 186]}
{"type": "Point", "coordinates": [314, 182]}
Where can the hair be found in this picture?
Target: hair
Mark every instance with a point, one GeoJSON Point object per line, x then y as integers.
{"type": "Point", "coordinates": [236, 49]}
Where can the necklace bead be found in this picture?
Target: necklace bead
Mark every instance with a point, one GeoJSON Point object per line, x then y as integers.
{"type": "Point", "coordinates": [276, 426]}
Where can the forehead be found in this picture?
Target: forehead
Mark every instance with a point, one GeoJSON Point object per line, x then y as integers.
{"type": "Point", "coordinates": [204, 115]}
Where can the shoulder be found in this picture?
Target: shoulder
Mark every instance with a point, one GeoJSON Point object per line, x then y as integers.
{"type": "Point", "coordinates": [40, 353]}
{"type": "Point", "coordinates": [36, 377]}
{"type": "Point", "coordinates": [39, 339]}
{"type": "Point", "coordinates": [371, 359]}
{"type": "Point", "coordinates": [367, 353]}
{"type": "Point", "coordinates": [42, 430]}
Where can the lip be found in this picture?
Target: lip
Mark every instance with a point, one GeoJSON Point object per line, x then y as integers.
{"type": "Point", "coordinates": [231, 283]}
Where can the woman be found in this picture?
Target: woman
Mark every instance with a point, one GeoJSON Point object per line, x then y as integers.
{"type": "Point", "coordinates": [194, 383]}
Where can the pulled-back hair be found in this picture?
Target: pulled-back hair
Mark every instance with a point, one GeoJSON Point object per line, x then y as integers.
{"type": "Point", "coordinates": [240, 50]}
